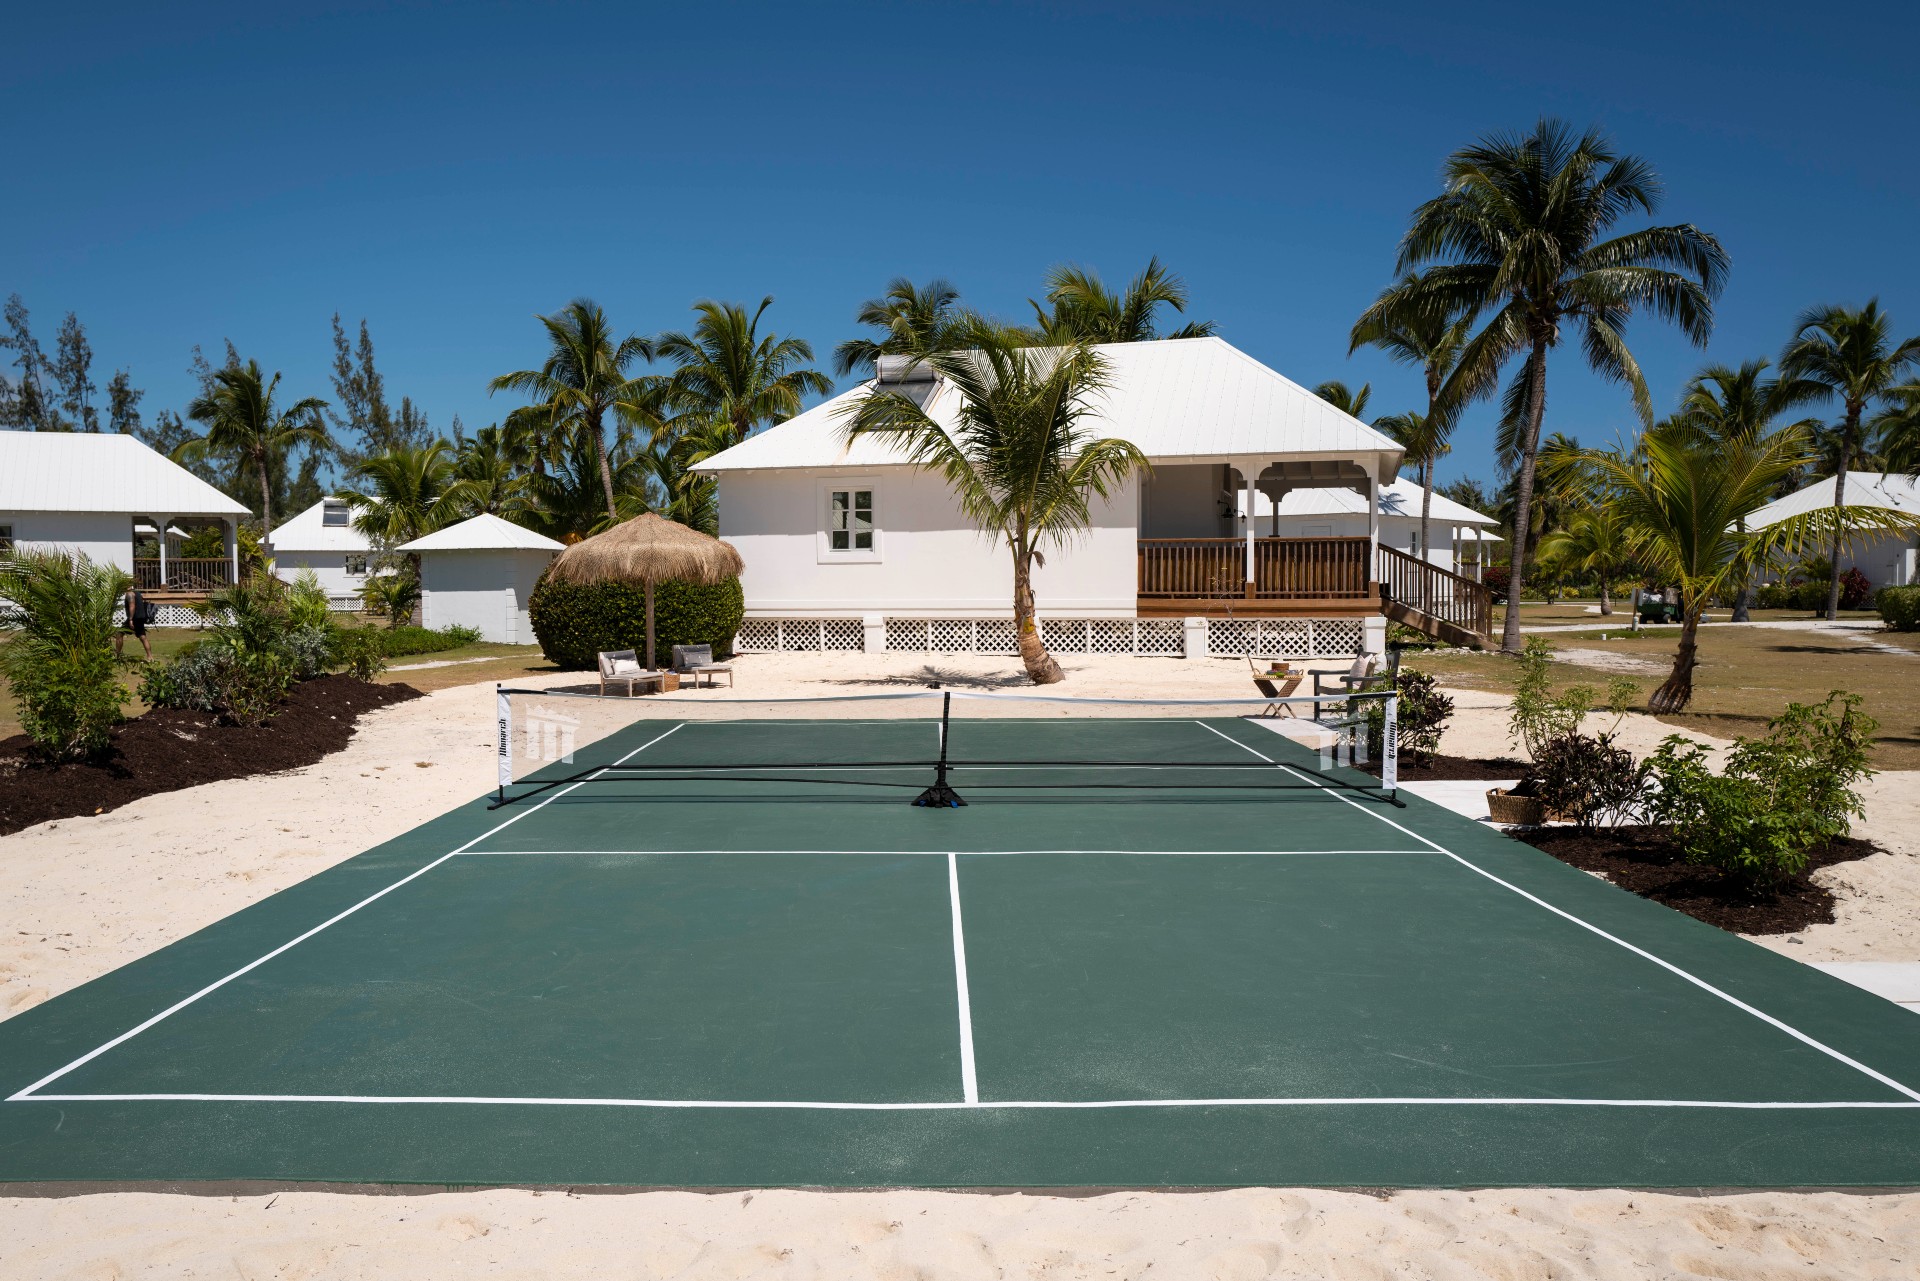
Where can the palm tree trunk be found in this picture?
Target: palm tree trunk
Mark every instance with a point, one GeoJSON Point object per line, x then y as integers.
{"type": "Point", "coordinates": [1606, 601]}
{"type": "Point", "coordinates": [1744, 591]}
{"type": "Point", "coordinates": [606, 471]}
{"type": "Point", "coordinates": [1523, 494]}
{"type": "Point", "coordinates": [1042, 667]}
{"type": "Point", "coordinates": [1677, 690]}
{"type": "Point", "coordinates": [266, 507]}
{"type": "Point", "coordinates": [1839, 508]}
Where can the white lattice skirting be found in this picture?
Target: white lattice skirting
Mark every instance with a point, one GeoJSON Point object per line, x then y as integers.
{"type": "Point", "coordinates": [167, 616]}
{"type": "Point", "coordinates": [1225, 637]}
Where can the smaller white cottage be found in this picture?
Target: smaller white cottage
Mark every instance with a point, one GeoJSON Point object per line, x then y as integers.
{"type": "Point", "coordinates": [322, 538]}
{"type": "Point", "coordinates": [1886, 559]}
{"type": "Point", "coordinates": [480, 573]}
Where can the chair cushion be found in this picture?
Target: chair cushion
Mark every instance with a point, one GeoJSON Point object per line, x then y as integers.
{"type": "Point", "coordinates": [625, 667]}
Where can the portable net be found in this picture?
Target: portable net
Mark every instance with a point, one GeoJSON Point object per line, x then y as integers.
{"type": "Point", "coordinates": [941, 747]}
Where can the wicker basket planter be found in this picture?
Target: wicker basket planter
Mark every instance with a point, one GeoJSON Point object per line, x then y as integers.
{"type": "Point", "coordinates": [1515, 811]}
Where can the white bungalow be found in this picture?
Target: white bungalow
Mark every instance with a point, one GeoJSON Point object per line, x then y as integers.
{"type": "Point", "coordinates": [1886, 560]}
{"type": "Point", "coordinates": [121, 503]}
{"type": "Point", "coordinates": [322, 538]}
{"type": "Point", "coordinates": [481, 573]}
{"type": "Point", "coordinates": [1460, 534]}
{"type": "Point", "coordinates": [852, 546]}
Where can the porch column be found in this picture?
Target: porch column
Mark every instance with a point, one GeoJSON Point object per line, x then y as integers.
{"type": "Point", "coordinates": [161, 527]}
{"type": "Point", "coordinates": [1373, 527]}
{"type": "Point", "coordinates": [232, 527]}
{"type": "Point", "coordinates": [1249, 487]}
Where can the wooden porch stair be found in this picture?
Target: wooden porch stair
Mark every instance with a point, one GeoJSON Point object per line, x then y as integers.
{"type": "Point", "coordinates": [1433, 601]}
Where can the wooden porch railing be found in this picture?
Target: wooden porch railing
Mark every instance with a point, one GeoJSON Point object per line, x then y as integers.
{"type": "Point", "coordinates": [184, 574]}
{"type": "Point", "coordinates": [1434, 591]}
{"type": "Point", "coordinates": [1283, 568]}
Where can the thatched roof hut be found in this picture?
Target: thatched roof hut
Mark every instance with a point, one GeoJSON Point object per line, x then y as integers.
{"type": "Point", "coordinates": [648, 549]}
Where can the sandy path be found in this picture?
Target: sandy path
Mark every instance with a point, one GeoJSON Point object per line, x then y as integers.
{"type": "Point", "coordinates": [83, 896]}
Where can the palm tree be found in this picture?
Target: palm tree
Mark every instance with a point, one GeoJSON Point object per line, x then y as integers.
{"type": "Point", "coordinates": [1896, 430]}
{"type": "Point", "coordinates": [585, 377]}
{"type": "Point", "coordinates": [242, 423]}
{"type": "Point", "coordinates": [914, 319]}
{"type": "Point", "coordinates": [1723, 404]}
{"type": "Point", "coordinates": [1681, 497]}
{"type": "Point", "coordinates": [1017, 456]}
{"type": "Point", "coordinates": [1594, 540]}
{"type": "Point", "coordinates": [685, 496]}
{"type": "Point", "coordinates": [1424, 440]}
{"type": "Point", "coordinates": [1085, 310]}
{"type": "Point", "coordinates": [1846, 353]}
{"type": "Point", "coordinates": [1343, 398]}
{"type": "Point", "coordinates": [490, 474]}
{"type": "Point", "coordinates": [1433, 341]}
{"type": "Point", "coordinates": [1517, 233]}
{"type": "Point", "coordinates": [728, 373]}
{"type": "Point", "coordinates": [569, 501]}
{"type": "Point", "coordinates": [405, 493]}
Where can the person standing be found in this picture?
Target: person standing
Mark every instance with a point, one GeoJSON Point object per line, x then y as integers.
{"type": "Point", "coordinates": [136, 624]}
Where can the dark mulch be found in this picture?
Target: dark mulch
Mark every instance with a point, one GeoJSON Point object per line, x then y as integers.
{"type": "Point", "coordinates": [166, 749]}
{"type": "Point", "coordinates": [1644, 861]}
{"type": "Point", "coordinates": [1449, 768]}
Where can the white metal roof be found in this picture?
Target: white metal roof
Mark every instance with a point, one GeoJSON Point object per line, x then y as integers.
{"type": "Point", "coordinates": [1864, 489]}
{"type": "Point", "coordinates": [1177, 400]}
{"type": "Point", "coordinates": [1401, 498]}
{"type": "Point", "coordinates": [45, 471]}
{"type": "Point", "coordinates": [483, 533]}
{"type": "Point", "coordinates": [309, 532]}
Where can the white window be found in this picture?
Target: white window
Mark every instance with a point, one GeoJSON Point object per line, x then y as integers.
{"type": "Point", "coordinates": [356, 566]}
{"type": "Point", "coordinates": [333, 515]}
{"type": "Point", "coordinates": [849, 520]}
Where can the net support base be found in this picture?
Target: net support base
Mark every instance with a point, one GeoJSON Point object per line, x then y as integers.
{"type": "Point", "coordinates": [939, 796]}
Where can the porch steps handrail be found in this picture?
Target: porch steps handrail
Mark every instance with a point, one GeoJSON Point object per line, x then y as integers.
{"type": "Point", "coordinates": [1435, 601]}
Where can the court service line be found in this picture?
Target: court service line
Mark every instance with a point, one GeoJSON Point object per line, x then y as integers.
{"type": "Point", "coordinates": [217, 984]}
{"type": "Point", "coordinates": [969, 1078]}
{"type": "Point", "coordinates": [955, 1105]}
{"type": "Point", "coordinates": [1669, 966]}
{"type": "Point", "coordinates": [1135, 853]}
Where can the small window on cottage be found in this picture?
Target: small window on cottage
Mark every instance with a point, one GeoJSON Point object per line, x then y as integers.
{"type": "Point", "coordinates": [333, 515]}
{"type": "Point", "coordinates": [1413, 542]}
{"type": "Point", "coordinates": [356, 566]}
{"type": "Point", "coordinates": [850, 520]}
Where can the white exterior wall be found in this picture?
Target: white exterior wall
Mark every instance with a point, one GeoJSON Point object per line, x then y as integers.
{"type": "Point", "coordinates": [105, 537]}
{"type": "Point", "coordinates": [929, 558]}
{"type": "Point", "coordinates": [484, 589]}
{"type": "Point", "coordinates": [1185, 500]}
{"type": "Point", "coordinates": [1886, 561]}
{"type": "Point", "coordinates": [329, 567]}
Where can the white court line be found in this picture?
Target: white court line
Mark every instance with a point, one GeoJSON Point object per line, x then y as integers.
{"type": "Point", "coordinates": [969, 1079]}
{"type": "Point", "coordinates": [955, 1105]}
{"type": "Point", "coordinates": [1669, 966]}
{"type": "Point", "coordinates": [217, 984]}
{"type": "Point", "coordinates": [1135, 853]}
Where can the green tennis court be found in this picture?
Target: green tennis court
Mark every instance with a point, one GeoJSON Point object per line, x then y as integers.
{"type": "Point", "coordinates": [1148, 951]}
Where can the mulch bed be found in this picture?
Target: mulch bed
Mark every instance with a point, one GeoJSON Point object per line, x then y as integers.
{"type": "Point", "coordinates": [167, 749]}
{"type": "Point", "coordinates": [1643, 860]}
{"type": "Point", "coordinates": [1452, 768]}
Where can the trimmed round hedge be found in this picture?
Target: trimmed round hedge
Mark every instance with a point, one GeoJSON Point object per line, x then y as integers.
{"type": "Point", "coordinates": [575, 622]}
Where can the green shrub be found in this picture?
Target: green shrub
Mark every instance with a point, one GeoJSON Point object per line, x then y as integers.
{"type": "Point", "coordinates": [357, 652]}
{"type": "Point", "coordinates": [1855, 590]}
{"type": "Point", "coordinates": [1797, 595]}
{"type": "Point", "coordinates": [1779, 797]}
{"type": "Point", "coordinates": [398, 642]}
{"type": "Point", "coordinates": [1419, 721]}
{"type": "Point", "coordinates": [392, 595]}
{"type": "Point", "coordinates": [576, 622]}
{"type": "Point", "coordinates": [60, 662]}
{"type": "Point", "coordinates": [1589, 780]}
{"type": "Point", "coordinates": [1538, 715]}
{"type": "Point", "coordinates": [212, 677]}
{"type": "Point", "coordinates": [307, 604]}
{"type": "Point", "coordinates": [1899, 607]}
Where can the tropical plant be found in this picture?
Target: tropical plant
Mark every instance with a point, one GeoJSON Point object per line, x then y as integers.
{"type": "Point", "coordinates": [1589, 780]}
{"type": "Point", "coordinates": [1432, 341]}
{"type": "Point", "coordinates": [1849, 354]}
{"type": "Point", "coordinates": [59, 660]}
{"type": "Point", "coordinates": [490, 473]}
{"type": "Point", "coordinates": [1420, 720]}
{"type": "Point", "coordinates": [585, 378]}
{"type": "Point", "coordinates": [1899, 607]}
{"type": "Point", "coordinates": [569, 498]}
{"type": "Point", "coordinates": [1516, 236]}
{"type": "Point", "coordinates": [1017, 455]}
{"type": "Point", "coordinates": [729, 372]}
{"type": "Point", "coordinates": [1538, 716]}
{"type": "Point", "coordinates": [1595, 541]}
{"type": "Point", "coordinates": [1681, 497]}
{"type": "Point", "coordinates": [392, 595]}
{"type": "Point", "coordinates": [915, 320]}
{"type": "Point", "coordinates": [1896, 430]}
{"type": "Point", "coordinates": [243, 422]}
{"type": "Point", "coordinates": [1083, 310]}
{"type": "Point", "coordinates": [1343, 398]}
{"type": "Point", "coordinates": [576, 621]}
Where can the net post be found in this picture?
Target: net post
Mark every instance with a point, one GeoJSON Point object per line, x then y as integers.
{"type": "Point", "coordinates": [1390, 749]}
{"type": "Point", "coordinates": [940, 795]}
{"type": "Point", "coordinates": [503, 745]}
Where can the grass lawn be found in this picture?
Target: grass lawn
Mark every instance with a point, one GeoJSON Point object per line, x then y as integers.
{"type": "Point", "coordinates": [1745, 676]}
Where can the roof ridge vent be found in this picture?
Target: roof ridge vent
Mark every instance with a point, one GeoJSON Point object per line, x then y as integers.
{"type": "Point", "coordinates": [903, 369]}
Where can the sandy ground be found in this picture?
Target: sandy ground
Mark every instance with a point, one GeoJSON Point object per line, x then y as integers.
{"type": "Point", "coordinates": [83, 896]}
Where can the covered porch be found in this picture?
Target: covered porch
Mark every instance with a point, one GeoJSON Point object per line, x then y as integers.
{"type": "Point", "coordinates": [185, 557]}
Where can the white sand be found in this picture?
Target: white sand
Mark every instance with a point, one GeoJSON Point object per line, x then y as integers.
{"type": "Point", "coordinates": [83, 896]}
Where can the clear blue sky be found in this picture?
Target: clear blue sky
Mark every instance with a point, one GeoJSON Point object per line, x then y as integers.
{"type": "Point", "coordinates": [182, 175]}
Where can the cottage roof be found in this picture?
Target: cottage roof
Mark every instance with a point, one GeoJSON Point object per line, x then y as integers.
{"type": "Point", "coordinates": [1864, 489]}
{"type": "Point", "coordinates": [309, 532]}
{"type": "Point", "coordinates": [43, 471]}
{"type": "Point", "coordinates": [483, 533]}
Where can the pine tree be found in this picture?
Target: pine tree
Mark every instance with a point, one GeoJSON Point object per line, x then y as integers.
{"type": "Point", "coordinates": [123, 404]}
{"type": "Point", "coordinates": [73, 375]}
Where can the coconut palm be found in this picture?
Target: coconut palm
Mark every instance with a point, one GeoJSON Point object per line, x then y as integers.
{"type": "Point", "coordinates": [1017, 456]}
{"type": "Point", "coordinates": [1343, 398]}
{"type": "Point", "coordinates": [570, 502]}
{"type": "Point", "coordinates": [1516, 237]}
{"type": "Point", "coordinates": [914, 319]}
{"type": "Point", "coordinates": [1083, 309]}
{"type": "Point", "coordinates": [490, 474]}
{"type": "Point", "coordinates": [1424, 441]}
{"type": "Point", "coordinates": [683, 495]}
{"type": "Point", "coordinates": [1594, 540]}
{"type": "Point", "coordinates": [1849, 354]}
{"type": "Point", "coordinates": [1432, 341]}
{"type": "Point", "coordinates": [244, 424]}
{"type": "Point", "coordinates": [403, 493]}
{"type": "Point", "coordinates": [1896, 430]}
{"type": "Point", "coordinates": [586, 377]}
{"type": "Point", "coordinates": [728, 372]}
{"type": "Point", "coordinates": [1681, 497]}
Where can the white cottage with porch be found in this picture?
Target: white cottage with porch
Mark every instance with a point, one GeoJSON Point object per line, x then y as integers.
{"type": "Point", "coordinates": [851, 546]}
{"type": "Point", "coordinates": [121, 503]}
{"type": "Point", "coordinates": [322, 539]}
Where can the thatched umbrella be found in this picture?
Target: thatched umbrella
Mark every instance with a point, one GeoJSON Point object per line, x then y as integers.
{"type": "Point", "coordinates": [648, 549]}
